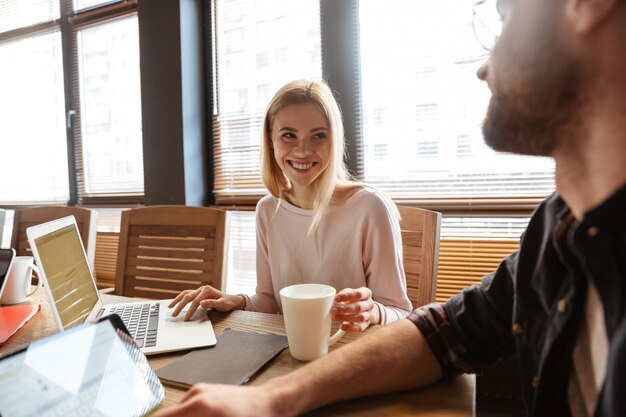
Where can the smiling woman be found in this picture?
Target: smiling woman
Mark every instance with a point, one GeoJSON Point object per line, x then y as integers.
{"type": "Point", "coordinates": [318, 226]}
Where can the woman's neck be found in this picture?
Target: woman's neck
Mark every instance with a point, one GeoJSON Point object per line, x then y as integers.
{"type": "Point", "coordinates": [303, 200]}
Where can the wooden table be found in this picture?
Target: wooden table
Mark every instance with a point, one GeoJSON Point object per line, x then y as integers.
{"type": "Point", "coordinates": [451, 398]}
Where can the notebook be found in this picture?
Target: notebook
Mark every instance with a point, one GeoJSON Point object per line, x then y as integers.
{"type": "Point", "coordinates": [91, 370]}
{"type": "Point", "coordinates": [12, 318]}
{"type": "Point", "coordinates": [235, 359]}
{"type": "Point", "coordinates": [74, 297]}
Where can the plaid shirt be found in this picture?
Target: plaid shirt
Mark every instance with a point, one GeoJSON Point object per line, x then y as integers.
{"type": "Point", "coordinates": [453, 357]}
{"type": "Point", "coordinates": [531, 307]}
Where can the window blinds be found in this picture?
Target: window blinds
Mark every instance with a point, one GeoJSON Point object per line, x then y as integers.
{"type": "Point", "coordinates": [424, 106]}
{"type": "Point", "coordinates": [107, 102]}
{"type": "Point", "coordinates": [17, 14]}
{"type": "Point", "coordinates": [259, 46]}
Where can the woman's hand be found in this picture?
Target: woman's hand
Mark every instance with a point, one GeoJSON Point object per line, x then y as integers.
{"type": "Point", "coordinates": [206, 297]}
{"type": "Point", "coordinates": [355, 308]}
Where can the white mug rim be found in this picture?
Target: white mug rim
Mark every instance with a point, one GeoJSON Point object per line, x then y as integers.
{"type": "Point", "coordinates": [23, 258]}
{"type": "Point", "coordinates": [329, 291]}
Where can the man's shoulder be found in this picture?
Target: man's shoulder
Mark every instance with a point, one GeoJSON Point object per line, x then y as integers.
{"type": "Point", "coordinates": [550, 210]}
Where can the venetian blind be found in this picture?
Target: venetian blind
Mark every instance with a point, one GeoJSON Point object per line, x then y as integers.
{"type": "Point", "coordinates": [107, 242]}
{"type": "Point", "coordinates": [107, 106]}
{"type": "Point", "coordinates": [423, 109]}
{"type": "Point", "coordinates": [259, 46]}
{"type": "Point", "coordinates": [472, 247]}
{"type": "Point", "coordinates": [106, 258]}
{"type": "Point", "coordinates": [19, 14]}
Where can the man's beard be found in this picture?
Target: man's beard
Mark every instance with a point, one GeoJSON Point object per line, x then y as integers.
{"type": "Point", "coordinates": [545, 113]}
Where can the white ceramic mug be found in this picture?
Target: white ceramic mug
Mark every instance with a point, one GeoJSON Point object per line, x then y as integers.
{"type": "Point", "coordinates": [18, 286]}
{"type": "Point", "coordinates": [306, 309]}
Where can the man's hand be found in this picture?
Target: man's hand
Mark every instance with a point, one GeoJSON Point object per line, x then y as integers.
{"type": "Point", "coordinates": [208, 400]}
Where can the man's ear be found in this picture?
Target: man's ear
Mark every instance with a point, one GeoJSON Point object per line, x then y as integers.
{"type": "Point", "coordinates": [586, 15]}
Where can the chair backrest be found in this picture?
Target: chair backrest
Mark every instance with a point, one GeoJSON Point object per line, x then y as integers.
{"type": "Point", "coordinates": [420, 248]}
{"type": "Point", "coordinates": [26, 217]}
{"type": "Point", "coordinates": [164, 250]}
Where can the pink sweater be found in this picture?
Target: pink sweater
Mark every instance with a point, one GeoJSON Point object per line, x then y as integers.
{"type": "Point", "coordinates": [360, 246]}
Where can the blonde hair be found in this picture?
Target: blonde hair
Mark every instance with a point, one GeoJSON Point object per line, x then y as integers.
{"type": "Point", "coordinates": [319, 94]}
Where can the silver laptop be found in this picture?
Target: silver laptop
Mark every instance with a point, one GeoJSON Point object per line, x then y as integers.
{"type": "Point", "coordinates": [74, 297]}
{"type": "Point", "coordinates": [90, 370]}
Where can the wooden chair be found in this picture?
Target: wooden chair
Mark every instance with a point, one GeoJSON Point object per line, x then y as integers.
{"type": "Point", "coordinates": [164, 250]}
{"type": "Point", "coordinates": [420, 248]}
{"type": "Point", "coordinates": [26, 217]}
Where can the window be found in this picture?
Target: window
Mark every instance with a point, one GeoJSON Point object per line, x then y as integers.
{"type": "Point", "coordinates": [287, 30]}
{"type": "Point", "coordinates": [32, 104]}
{"type": "Point", "coordinates": [419, 98]}
{"type": "Point", "coordinates": [262, 60]}
{"type": "Point", "coordinates": [110, 107]}
{"type": "Point", "coordinates": [380, 152]}
{"type": "Point", "coordinates": [431, 68]}
{"type": "Point", "coordinates": [241, 268]}
{"type": "Point", "coordinates": [96, 104]}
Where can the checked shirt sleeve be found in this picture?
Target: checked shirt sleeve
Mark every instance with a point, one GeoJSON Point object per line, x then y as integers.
{"type": "Point", "coordinates": [452, 355]}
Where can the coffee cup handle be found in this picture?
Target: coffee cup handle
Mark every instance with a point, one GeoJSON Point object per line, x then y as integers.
{"type": "Point", "coordinates": [334, 338]}
{"type": "Point", "coordinates": [36, 272]}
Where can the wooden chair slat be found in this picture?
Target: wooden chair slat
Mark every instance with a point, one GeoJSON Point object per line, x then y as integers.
{"type": "Point", "coordinates": [166, 249]}
{"type": "Point", "coordinates": [171, 242]}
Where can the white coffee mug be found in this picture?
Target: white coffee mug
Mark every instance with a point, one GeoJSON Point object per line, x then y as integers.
{"type": "Point", "coordinates": [18, 286]}
{"type": "Point", "coordinates": [306, 310]}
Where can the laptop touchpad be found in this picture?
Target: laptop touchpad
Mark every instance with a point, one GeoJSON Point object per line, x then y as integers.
{"type": "Point", "coordinates": [199, 316]}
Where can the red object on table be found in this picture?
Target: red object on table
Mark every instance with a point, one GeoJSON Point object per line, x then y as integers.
{"type": "Point", "coordinates": [12, 318]}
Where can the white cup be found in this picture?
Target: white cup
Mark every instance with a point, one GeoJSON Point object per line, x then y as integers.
{"type": "Point", "coordinates": [306, 309]}
{"type": "Point", "coordinates": [18, 286]}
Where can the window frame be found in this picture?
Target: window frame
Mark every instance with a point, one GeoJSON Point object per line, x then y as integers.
{"type": "Point", "coordinates": [76, 21]}
{"type": "Point", "coordinates": [68, 25]}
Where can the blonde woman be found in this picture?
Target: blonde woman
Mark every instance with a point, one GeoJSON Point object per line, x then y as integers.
{"type": "Point", "coordinates": [317, 225]}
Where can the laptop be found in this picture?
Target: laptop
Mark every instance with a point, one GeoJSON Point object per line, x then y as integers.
{"type": "Point", "coordinates": [75, 299]}
{"type": "Point", "coordinates": [90, 370]}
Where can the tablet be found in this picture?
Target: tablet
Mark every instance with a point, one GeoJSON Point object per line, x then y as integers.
{"type": "Point", "coordinates": [94, 369]}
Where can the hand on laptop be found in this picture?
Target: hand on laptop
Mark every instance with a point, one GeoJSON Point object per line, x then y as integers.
{"type": "Point", "coordinates": [356, 309]}
{"type": "Point", "coordinates": [206, 297]}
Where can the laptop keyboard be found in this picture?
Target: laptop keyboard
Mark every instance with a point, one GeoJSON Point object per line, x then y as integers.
{"type": "Point", "coordinates": [79, 405]}
{"type": "Point", "coordinates": [142, 322]}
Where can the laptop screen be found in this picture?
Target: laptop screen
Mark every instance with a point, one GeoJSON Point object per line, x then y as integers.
{"type": "Point", "coordinates": [92, 369]}
{"type": "Point", "coordinates": [67, 272]}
